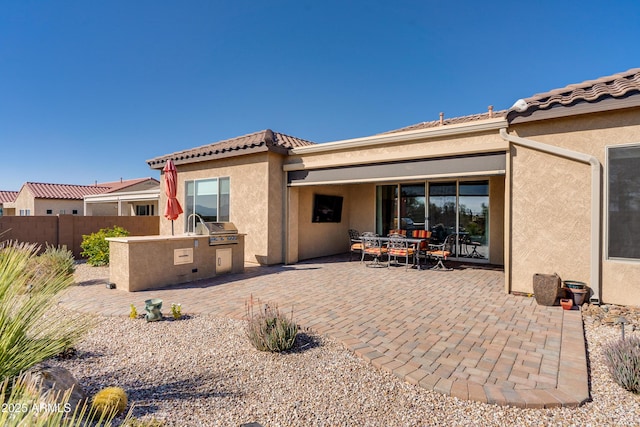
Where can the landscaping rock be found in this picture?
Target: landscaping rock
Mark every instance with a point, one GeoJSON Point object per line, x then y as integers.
{"type": "Point", "coordinates": [57, 379]}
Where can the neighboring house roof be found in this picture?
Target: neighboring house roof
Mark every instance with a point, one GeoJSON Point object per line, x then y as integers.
{"type": "Point", "coordinates": [8, 196]}
{"type": "Point", "coordinates": [618, 86]}
{"type": "Point", "coordinates": [41, 190]}
{"type": "Point", "coordinates": [266, 140]}
{"type": "Point", "coordinates": [453, 121]}
{"type": "Point", "coordinates": [124, 184]}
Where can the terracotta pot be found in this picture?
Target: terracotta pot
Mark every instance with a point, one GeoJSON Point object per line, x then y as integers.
{"type": "Point", "coordinates": [566, 303]}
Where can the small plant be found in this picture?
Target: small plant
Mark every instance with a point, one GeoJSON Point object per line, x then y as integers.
{"type": "Point", "coordinates": [95, 246]}
{"type": "Point", "coordinates": [133, 313]}
{"type": "Point", "coordinates": [23, 401]}
{"type": "Point", "coordinates": [176, 311]}
{"type": "Point", "coordinates": [109, 401]}
{"type": "Point", "coordinates": [622, 357]}
{"type": "Point", "coordinates": [268, 330]}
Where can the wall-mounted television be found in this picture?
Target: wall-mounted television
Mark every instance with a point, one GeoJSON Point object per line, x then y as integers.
{"type": "Point", "coordinates": [327, 208]}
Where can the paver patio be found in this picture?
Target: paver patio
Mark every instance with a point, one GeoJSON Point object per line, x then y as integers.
{"type": "Point", "coordinates": [454, 332]}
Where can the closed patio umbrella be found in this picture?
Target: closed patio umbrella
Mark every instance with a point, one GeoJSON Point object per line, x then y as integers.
{"type": "Point", "coordinates": [173, 208]}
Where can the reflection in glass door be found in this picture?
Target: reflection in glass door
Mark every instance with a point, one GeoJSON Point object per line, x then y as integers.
{"type": "Point", "coordinates": [463, 209]}
{"type": "Point", "coordinates": [474, 214]}
{"type": "Point", "coordinates": [412, 212]}
{"type": "Point", "coordinates": [442, 210]}
{"type": "Point", "coordinates": [386, 208]}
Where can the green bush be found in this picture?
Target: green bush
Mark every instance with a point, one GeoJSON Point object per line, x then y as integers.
{"type": "Point", "coordinates": [30, 330]}
{"type": "Point", "coordinates": [268, 330]}
{"type": "Point", "coordinates": [95, 246]}
{"type": "Point", "coordinates": [622, 357]}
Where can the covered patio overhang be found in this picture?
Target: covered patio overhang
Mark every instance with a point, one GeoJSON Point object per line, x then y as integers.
{"type": "Point", "coordinates": [118, 200]}
{"type": "Point", "coordinates": [359, 170]}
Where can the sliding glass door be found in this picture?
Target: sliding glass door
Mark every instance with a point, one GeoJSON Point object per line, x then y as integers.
{"type": "Point", "coordinates": [453, 207]}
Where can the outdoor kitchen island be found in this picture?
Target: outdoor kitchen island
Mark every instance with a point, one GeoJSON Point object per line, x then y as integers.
{"type": "Point", "coordinates": [141, 263]}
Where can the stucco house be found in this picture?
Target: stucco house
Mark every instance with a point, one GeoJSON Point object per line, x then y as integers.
{"type": "Point", "coordinates": [7, 202]}
{"type": "Point", "coordinates": [35, 199]}
{"type": "Point", "coordinates": [550, 185]}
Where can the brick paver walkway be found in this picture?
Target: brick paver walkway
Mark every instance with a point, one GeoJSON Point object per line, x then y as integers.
{"type": "Point", "coordinates": [454, 332]}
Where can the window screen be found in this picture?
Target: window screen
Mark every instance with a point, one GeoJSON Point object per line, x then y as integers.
{"type": "Point", "coordinates": [624, 202]}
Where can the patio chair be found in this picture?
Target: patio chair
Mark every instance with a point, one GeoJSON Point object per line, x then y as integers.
{"type": "Point", "coordinates": [398, 246]}
{"type": "Point", "coordinates": [441, 251]}
{"type": "Point", "coordinates": [468, 241]}
{"type": "Point", "coordinates": [402, 232]}
{"type": "Point", "coordinates": [421, 250]}
{"type": "Point", "coordinates": [372, 246]}
{"type": "Point", "coordinates": [355, 243]}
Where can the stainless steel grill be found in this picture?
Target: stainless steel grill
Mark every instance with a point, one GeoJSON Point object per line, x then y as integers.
{"type": "Point", "coordinates": [220, 233]}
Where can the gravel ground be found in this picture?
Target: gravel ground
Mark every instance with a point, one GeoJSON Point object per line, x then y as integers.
{"type": "Point", "coordinates": [202, 371]}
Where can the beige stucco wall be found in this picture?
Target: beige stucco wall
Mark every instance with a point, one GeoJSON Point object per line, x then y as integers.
{"type": "Point", "coordinates": [149, 262]}
{"type": "Point", "coordinates": [256, 201]}
{"type": "Point", "coordinates": [550, 204]}
{"type": "Point", "coordinates": [25, 201]}
{"type": "Point", "coordinates": [58, 207]}
{"type": "Point", "coordinates": [483, 142]}
{"type": "Point", "coordinates": [321, 239]}
{"type": "Point", "coordinates": [496, 219]}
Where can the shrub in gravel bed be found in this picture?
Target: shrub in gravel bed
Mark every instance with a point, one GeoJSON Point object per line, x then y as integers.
{"type": "Point", "coordinates": [31, 331]}
{"type": "Point", "coordinates": [268, 329]}
{"type": "Point", "coordinates": [623, 360]}
{"type": "Point", "coordinates": [95, 246]}
{"type": "Point", "coordinates": [53, 259]}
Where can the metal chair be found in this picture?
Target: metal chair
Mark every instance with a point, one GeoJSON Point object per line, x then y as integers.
{"type": "Point", "coordinates": [423, 247]}
{"type": "Point", "coordinates": [441, 252]}
{"type": "Point", "coordinates": [355, 243]}
{"type": "Point", "coordinates": [397, 246]}
{"type": "Point", "coordinates": [372, 246]}
{"type": "Point", "coordinates": [474, 245]}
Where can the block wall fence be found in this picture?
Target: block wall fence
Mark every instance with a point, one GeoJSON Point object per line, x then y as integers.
{"type": "Point", "coordinates": [67, 230]}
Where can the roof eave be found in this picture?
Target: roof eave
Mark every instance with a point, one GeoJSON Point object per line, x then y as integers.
{"type": "Point", "coordinates": [579, 108]}
{"type": "Point", "coordinates": [177, 160]}
{"type": "Point", "coordinates": [405, 136]}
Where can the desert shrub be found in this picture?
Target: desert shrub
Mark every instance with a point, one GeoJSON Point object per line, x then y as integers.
{"type": "Point", "coordinates": [30, 331]}
{"type": "Point", "coordinates": [53, 259]}
{"type": "Point", "coordinates": [268, 329]}
{"type": "Point", "coordinates": [24, 403]}
{"type": "Point", "coordinates": [110, 401]}
{"type": "Point", "coordinates": [622, 357]}
{"type": "Point", "coordinates": [95, 246]}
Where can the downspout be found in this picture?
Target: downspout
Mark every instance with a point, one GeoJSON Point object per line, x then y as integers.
{"type": "Point", "coordinates": [596, 192]}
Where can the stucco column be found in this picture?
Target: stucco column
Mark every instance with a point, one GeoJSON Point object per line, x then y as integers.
{"type": "Point", "coordinates": [292, 196]}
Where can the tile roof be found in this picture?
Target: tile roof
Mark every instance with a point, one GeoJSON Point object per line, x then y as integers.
{"type": "Point", "coordinates": [253, 142]}
{"type": "Point", "coordinates": [62, 191]}
{"type": "Point", "coordinates": [452, 121]}
{"type": "Point", "coordinates": [122, 184]}
{"type": "Point", "coordinates": [615, 86]}
{"type": "Point", "coordinates": [8, 196]}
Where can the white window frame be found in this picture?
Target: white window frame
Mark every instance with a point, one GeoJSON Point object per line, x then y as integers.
{"type": "Point", "coordinates": [190, 227]}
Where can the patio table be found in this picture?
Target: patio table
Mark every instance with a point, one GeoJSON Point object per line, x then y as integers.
{"type": "Point", "coordinates": [415, 242]}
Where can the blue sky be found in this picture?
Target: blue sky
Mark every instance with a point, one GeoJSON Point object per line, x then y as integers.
{"type": "Point", "coordinates": [90, 90]}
